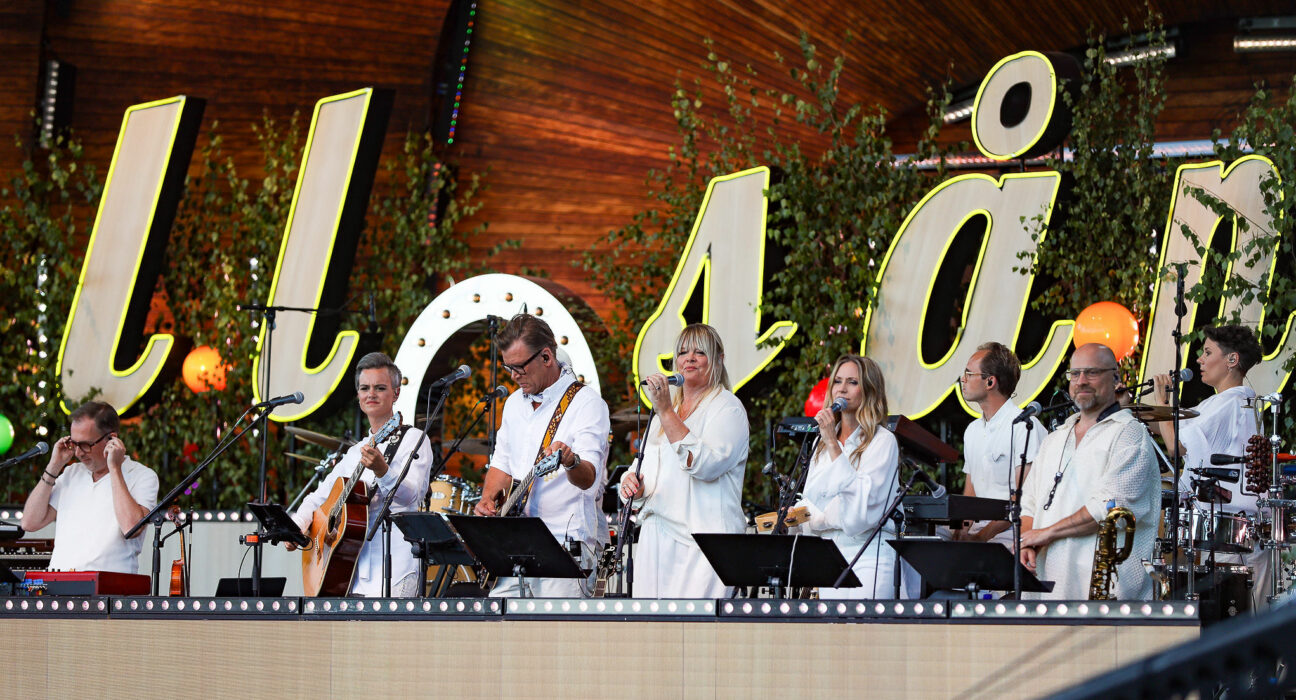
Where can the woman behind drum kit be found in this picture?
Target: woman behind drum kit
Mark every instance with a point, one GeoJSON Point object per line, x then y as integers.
{"type": "Point", "coordinates": [1225, 421]}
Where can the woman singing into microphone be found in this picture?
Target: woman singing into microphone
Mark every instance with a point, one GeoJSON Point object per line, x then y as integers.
{"type": "Point", "coordinates": [693, 466]}
{"type": "Point", "coordinates": [854, 474]}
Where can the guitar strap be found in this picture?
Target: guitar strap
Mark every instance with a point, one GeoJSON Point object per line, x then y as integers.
{"type": "Point", "coordinates": [558, 414]}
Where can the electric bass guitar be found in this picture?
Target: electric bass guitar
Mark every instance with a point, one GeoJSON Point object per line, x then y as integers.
{"type": "Point", "coordinates": [337, 530]}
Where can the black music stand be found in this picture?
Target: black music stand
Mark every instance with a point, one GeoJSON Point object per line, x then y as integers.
{"type": "Point", "coordinates": [966, 566]}
{"type": "Point", "coordinates": [271, 587]}
{"type": "Point", "coordinates": [434, 543]}
{"type": "Point", "coordinates": [277, 525]}
{"type": "Point", "coordinates": [776, 561]}
{"type": "Point", "coordinates": [520, 547]}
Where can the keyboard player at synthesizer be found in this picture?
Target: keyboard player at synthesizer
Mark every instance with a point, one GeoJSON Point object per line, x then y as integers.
{"type": "Point", "coordinates": [95, 492]}
{"type": "Point", "coordinates": [993, 443]}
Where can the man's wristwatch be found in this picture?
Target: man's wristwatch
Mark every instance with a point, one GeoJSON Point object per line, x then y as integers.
{"type": "Point", "coordinates": [575, 461]}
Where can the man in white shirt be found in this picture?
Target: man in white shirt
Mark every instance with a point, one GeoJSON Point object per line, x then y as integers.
{"type": "Point", "coordinates": [96, 499]}
{"type": "Point", "coordinates": [1099, 456]}
{"type": "Point", "coordinates": [568, 500]}
{"type": "Point", "coordinates": [993, 444]}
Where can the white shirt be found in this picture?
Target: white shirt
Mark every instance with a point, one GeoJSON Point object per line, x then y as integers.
{"type": "Point", "coordinates": [847, 499]}
{"type": "Point", "coordinates": [1116, 461]}
{"type": "Point", "coordinates": [568, 510]}
{"type": "Point", "coordinates": [992, 452]}
{"type": "Point", "coordinates": [87, 536]}
{"type": "Point", "coordinates": [1223, 425]}
{"type": "Point", "coordinates": [368, 578]}
{"type": "Point", "coordinates": [706, 495]}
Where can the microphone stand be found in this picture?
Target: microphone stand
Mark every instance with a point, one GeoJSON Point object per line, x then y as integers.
{"type": "Point", "coordinates": [1014, 510]}
{"type": "Point", "coordinates": [801, 468]}
{"type": "Point", "coordinates": [493, 327]}
{"type": "Point", "coordinates": [625, 544]}
{"type": "Point", "coordinates": [876, 531]}
{"type": "Point", "coordinates": [157, 516]}
{"type": "Point", "coordinates": [1181, 310]}
{"type": "Point", "coordinates": [384, 515]}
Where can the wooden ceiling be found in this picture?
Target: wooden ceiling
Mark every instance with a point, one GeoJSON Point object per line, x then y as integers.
{"type": "Point", "coordinates": [566, 106]}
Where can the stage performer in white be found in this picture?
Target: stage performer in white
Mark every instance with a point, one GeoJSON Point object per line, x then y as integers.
{"type": "Point", "coordinates": [550, 411]}
{"type": "Point", "coordinates": [1223, 425]}
{"type": "Point", "coordinates": [96, 499]}
{"type": "Point", "coordinates": [854, 475]}
{"type": "Point", "coordinates": [693, 467]}
{"type": "Point", "coordinates": [1101, 454]}
{"type": "Point", "coordinates": [993, 444]}
{"type": "Point", "coordinates": [378, 382]}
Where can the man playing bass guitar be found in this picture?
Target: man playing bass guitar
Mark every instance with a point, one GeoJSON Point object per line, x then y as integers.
{"type": "Point", "coordinates": [551, 411]}
{"type": "Point", "coordinates": [377, 386]}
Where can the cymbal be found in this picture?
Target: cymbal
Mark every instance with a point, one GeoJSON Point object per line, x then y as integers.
{"type": "Point", "coordinates": [328, 442]}
{"type": "Point", "coordinates": [475, 446]}
{"type": "Point", "coordinates": [302, 458]}
{"type": "Point", "coordinates": [1156, 414]}
{"type": "Point", "coordinates": [628, 416]}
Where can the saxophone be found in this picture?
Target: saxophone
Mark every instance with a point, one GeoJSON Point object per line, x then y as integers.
{"type": "Point", "coordinates": [1106, 556]}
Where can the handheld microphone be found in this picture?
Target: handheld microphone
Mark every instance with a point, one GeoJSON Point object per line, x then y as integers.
{"type": "Point", "coordinates": [462, 373]}
{"type": "Point", "coordinates": [1229, 475]}
{"type": "Point", "coordinates": [1218, 459]}
{"type": "Point", "coordinates": [281, 400]}
{"type": "Point", "coordinates": [499, 393]}
{"type": "Point", "coordinates": [673, 380]}
{"type": "Point", "coordinates": [39, 449]}
{"type": "Point", "coordinates": [1185, 375]}
{"type": "Point", "coordinates": [838, 405]}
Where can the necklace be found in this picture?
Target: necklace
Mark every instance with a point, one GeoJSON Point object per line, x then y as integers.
{"type": "Point", "coordinates": [1057, 478]}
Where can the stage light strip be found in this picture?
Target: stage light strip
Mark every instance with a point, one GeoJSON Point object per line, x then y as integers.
{"type": "Point", "coordinates": [966, 161]}
{"type": "Point", "coordinates": [463, 68]}
{"type": "Point", "coordinates": [1263, 44]}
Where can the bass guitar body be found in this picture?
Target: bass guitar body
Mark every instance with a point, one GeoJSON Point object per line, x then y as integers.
{"type": "Point", "coordinates": [329, 561]}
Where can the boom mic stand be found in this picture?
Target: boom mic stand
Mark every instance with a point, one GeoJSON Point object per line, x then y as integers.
{"type": "Point", "coordinates": [890, 511]}
{"type": "Point", "coordinates": [1176, 456]}
{"type": "Point", "coordinates": [801, 469]}
{"type": "Point", "coordinates": [1014, 511]}
{"type": "Point", "coordinates": [384, 515]}
{"type": "Point", "coordinates": [625, 538]}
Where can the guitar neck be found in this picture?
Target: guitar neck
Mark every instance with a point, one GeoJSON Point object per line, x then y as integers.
{"type": "Point", "coordinates": [516, 495]}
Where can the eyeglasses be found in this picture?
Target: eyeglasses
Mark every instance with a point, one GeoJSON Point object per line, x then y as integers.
{"type": "Point", "coordinates": [87, 446]}
{"type": "Point", "coordinates": [521, 369]}
{"type": "Point", "coordinates": [968, 374]}
{"type": "Point", "coordinates": [1087, 372]}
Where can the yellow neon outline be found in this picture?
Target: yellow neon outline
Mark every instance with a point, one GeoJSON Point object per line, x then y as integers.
{"type": "Point", "coordinates": [1170, 230]}
{"type": "Point", "coordinates": [703, 272]}
{"type": "Point", "coordinates": [706, 263]}
{"type": "Point", "coordinates": [306, 410]}
{"type": "Point", "coordinates": [976, 273]}
{"type": "Point", "coordinates": [155, 338]}
{"type": "Point", "coordinates": [1052, 107]}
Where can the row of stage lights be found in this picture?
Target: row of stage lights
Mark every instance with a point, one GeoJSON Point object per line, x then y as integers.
{"type": "Point", "coordinates": [217, 516]}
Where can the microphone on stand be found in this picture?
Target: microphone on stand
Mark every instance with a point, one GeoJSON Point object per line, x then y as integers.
{"type": "Point", "coordinates": [1218, 459]}
{"type": "Point", "coordinates": [39, 449]}
{"type": "Point", "coordinates": [1032, 409]}
{"type": "Point", "coordinates": [768, 470]}
{"type": "Point", "coordinates": [673, 380]}
{"type": "Point", "coordinates": [936, 489]}
{"type": "Point", "coordinates": [462, 373]}
{"type": "Point", "coordinates": [1229, 475]}
{"type": "Point", "coordinates": [296, 397]}
{"type": "Point", "coordinates": [499, 393]}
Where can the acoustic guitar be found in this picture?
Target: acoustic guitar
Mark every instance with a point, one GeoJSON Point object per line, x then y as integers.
{"type": "Point", "coordinates": [337, 530]}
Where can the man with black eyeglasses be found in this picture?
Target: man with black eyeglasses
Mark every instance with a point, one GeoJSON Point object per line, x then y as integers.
{"type": "Point", "coordinates": [1099, 457]}
{"type": "Point", "coordinates": [95, 492]}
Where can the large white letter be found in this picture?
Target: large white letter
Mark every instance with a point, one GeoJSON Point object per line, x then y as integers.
{"type": "Point", "coordinates": [318, 250]}
{"type": "Point", "coordinates": [1238, 186]}
{"type": "Point", "coordinates": [996, 299]}
{"type": "Point", "coordinates": [725, 252]}
{"type": "Point", "coordinates": [105, 325]}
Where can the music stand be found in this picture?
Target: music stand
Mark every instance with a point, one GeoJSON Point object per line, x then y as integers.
{"type": "Point", "coordinates": [966, 566]}
{"type": "Point", "coordinates": [743, 561]}
{"type": "Point", "coordinates": [520, 547]}
{"type": "Point", "coordinates": [271, 587]}
{"type": "Point", "coordinates": [435, 543]}
{"type": "Point", "coordinates": [277, 525]}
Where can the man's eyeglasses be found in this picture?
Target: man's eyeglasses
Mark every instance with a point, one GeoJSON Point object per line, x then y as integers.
{"type": "Point", "coordinates": [1087, 372]}
{"type": "Point", "coordinates": [87, 446]}
{"type": "Point", "coordinates": [521, 369]}
{"type": "Point", "coordinates": [968, 374]}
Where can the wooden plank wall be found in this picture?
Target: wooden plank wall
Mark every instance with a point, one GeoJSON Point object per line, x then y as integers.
{"type": "Point", "coordinates": [566, 106]}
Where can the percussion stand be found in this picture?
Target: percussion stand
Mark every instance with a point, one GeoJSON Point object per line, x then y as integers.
{"type": "Point", "coordinates": [625, 536]}
{"type": "Point", "coordinates": [1276, 513]}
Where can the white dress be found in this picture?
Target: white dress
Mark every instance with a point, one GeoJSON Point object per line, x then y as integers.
{"type": "Point", "coordinates": [846, 500]}
{"type": "Point", "coordinates": [368, 579]}
{"type": "Point", "coordinates": [682, 497]}
{"type": "Point", "coordinates": [1115, 461]}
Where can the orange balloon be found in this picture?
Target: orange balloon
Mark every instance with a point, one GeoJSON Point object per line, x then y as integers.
{"type": "Point", "coordinates": [1108, 323]}
{"type": "Point", "coordinates": [203, 370]}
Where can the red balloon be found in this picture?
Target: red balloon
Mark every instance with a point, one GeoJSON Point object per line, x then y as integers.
{"type": "Point", "coordinates": [1110, 324]}
{"type": "Point", "coordinates": [815, 401]}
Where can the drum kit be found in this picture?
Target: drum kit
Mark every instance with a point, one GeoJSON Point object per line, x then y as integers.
{"type": "Point", "coordinates": [1217, 542]}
